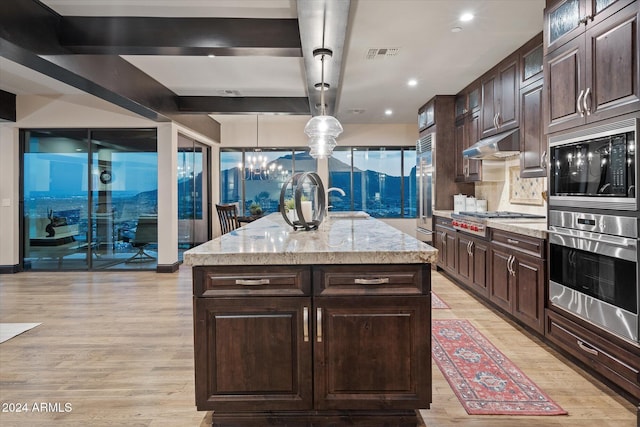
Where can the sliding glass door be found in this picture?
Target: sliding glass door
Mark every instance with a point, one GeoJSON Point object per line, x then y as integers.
{"type": "Point", "coordinates": [90, 199]}
{"type": "Point", "coordinates": [194, 201]}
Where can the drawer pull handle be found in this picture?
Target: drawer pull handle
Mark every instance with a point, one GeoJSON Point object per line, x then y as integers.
{"type": "Point", "coordinates": [305, 324]}
{"type": "Point", "coordinates": [513, 242]}
{"type": "Point", "coordinates": [376, 281]}
{"type": "Point", "coordinates": [319, 325]}
{"type": "Point", "coordinates": [586, 348]}
{"type": "Point", "coordinates": [252, 282]}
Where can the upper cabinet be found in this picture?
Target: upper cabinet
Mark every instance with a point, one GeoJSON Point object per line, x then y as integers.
{"type": "Point", "coordinates": [593, 76]}
{"type": "Point", "coordinates": [500, 97]}
{"type": "Point", "coordinates": [531, 61]}
{"type": "Point", "coordinates": [426, 115]}
{"type": "Point", "coordinates": [566, 19]}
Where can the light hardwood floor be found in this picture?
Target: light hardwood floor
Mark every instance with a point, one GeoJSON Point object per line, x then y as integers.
{"type": "Point", "coordinates": [118, 347]}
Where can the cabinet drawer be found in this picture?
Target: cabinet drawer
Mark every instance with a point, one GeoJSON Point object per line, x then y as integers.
{"type": "Point", "coordinates": [619, 365]}
{"type": "Point", "coordinates": [251, 280]}
{"type": "Point", "coordinates": [364, 279]}
{"type": "Point", "coordinates": [445, 222]}
{"type": "Point", "coordinates": [519, 242]}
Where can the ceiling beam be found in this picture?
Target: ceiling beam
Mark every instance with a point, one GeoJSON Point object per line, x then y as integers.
{"type": "Point", "coordinates": [323, 24]}
{"type": "Point", "coordinates": [181, 36]}
{"type": "Point", "coordinates": [243, 105]}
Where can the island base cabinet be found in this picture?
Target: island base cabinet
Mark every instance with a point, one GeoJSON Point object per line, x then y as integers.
{"type": "Point", "coordinates": [368, 355]}
{"type": "Point", "coordinates": [252, 354]}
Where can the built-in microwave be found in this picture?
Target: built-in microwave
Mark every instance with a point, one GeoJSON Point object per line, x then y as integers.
{"type": "Point", "coordinates": [595, 167]}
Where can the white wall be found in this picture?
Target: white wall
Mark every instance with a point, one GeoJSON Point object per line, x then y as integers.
{"type": "Point", "coordinates": [85, 111]}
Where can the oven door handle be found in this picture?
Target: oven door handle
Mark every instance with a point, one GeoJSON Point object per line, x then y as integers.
{"type": "Point", "coordinates": [625, 243]}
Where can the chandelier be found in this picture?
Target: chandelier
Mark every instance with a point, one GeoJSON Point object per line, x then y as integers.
{"type": "Point", "coordinates": [322, 130]}
{"type": "Point", "coordinates": [257, 165]}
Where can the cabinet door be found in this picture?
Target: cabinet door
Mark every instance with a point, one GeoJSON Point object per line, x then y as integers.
{"type": "Point", "coordinates": [612, 62]}
{"type": "Point", "coordinates": [564, 78]}
{"type": "Point", "coordinates": [439, 238]}
{"type": "Point", "coordinates": [500, 283]}
{"type": "Point", "coordinates": [472, 135]}
{"type": "Point", "coordinates": [372, 352]}
{"type": "Point", "coordinates": [562, 22]}
{"type": "Point", "coordinates": [465, 259]}
{"type": "Point", "coordinates": [508, 95]}
{"type": "Point", "coordinates": [460, 145]}
{"type": "Point", "coordinates": [528, 296]}
{"type": "Point", "coordinates": [253, 354]}
{"type": "Point", "coordinates": [533, 144]}
{"type": "Point", "coordinates": [490, 86]}
{"type": "Point", "coordinates": [479, 254]}
{"type": "Point", "coordinates": [450, 249]}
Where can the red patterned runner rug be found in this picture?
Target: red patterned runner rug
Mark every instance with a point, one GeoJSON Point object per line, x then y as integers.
{"type": "Point", "coordinates": [436, 301]}
{"type": "Point", "coordinates": [485, 381]}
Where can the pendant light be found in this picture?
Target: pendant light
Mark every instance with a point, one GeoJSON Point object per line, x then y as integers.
{"type": "Point", "coordinates": [322, 130]}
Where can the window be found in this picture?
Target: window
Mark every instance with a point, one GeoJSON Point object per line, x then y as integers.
{"type": "Point", "coordinates": [378, 180]}
{"type": "Point", "coordinates": [253, 179]}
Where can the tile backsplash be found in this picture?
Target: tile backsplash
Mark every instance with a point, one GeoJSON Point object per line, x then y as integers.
{"type": "Point", "coordinates": [514, 193]}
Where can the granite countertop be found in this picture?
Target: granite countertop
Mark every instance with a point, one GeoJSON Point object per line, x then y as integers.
{"type": "Point", "coordinates": [526, 226]}
{"type": "Point", "coordinates": [341, 240]}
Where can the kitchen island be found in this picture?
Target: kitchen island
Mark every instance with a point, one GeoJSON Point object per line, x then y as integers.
{"type": "Point", "coordinates": [324, 327]}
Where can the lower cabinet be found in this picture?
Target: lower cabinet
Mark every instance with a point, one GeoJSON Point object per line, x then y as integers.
{"type": "Point", "coordinates": [612, 358]}
{"type": "Point", "coordinates": [517, 277]}
{"type": "Point", "coordinates": [307, 341]}
{"type": "Point", "coordinates": [445, 239]}
{"type": "Point", "coordinates": [472, 262]}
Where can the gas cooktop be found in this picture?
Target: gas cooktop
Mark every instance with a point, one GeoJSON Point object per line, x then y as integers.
{"type": "Point", "coordinates": [476, 222]}
{"type": "Point", "coordinates": [499, 214]}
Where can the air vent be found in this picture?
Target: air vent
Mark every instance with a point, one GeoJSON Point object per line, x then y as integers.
{"type": "Point", "coordinates": [375, 53]}
{"type": "Point", "coordinates": [229, 92]}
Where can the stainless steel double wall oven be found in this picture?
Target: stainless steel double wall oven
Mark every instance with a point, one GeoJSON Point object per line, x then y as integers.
{"type": "Point", "coordinates": [593, 226]}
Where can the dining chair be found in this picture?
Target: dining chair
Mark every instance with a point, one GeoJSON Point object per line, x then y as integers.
{"type": "Point", "coordinates": [228, 216]}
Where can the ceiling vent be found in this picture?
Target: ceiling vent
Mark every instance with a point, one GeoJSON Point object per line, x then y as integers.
{"type": "Point", "coordinates": [229, 92]}
{"type": "Point", "coordinates": [375, 53]}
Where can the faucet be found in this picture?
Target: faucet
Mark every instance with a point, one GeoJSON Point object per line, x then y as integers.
{"type": "Point", "coordinates": [339, 190]}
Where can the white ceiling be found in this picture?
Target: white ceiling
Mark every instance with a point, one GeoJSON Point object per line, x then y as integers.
{"type": "Point", "coordinates": [443, 62]}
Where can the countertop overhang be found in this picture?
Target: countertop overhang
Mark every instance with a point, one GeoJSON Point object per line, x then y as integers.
{"type": "Point", "coordinates": [270, 241]}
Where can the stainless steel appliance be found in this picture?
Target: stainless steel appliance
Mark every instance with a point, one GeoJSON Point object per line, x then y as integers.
{"type": "Point", "coordinates": [476, 222]}
{"type": "Point", "coordinates": [425, 185]}
{"type": "Point", "coordinates": [593, 269]}
{"type": "Point", "coordinates": [595, 167]}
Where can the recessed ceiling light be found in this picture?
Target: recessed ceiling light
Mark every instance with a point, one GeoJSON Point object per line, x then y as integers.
{"type": "Point", "coordinates": [388, 112]}
{"type": "Point", "coordinates": [466, 17]}
{"type": "Point", "coordinates": [456, 29]}
{"type": "Point", "coordinates": [319, 86]}
{"type": "Point", "coordinates": [211, 55]}
{"type": "Point", "coordinates": [412, 82]}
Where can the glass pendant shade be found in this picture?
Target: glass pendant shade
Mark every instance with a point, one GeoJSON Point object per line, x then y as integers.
{"type": "Point", "coordinates": [322, 132]}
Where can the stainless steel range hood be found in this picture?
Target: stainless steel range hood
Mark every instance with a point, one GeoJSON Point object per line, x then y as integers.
{"type": "Point", "coordinates": [499, 146]}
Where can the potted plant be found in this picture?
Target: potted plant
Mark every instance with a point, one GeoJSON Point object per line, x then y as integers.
{"type": "Point", "coordinates": [255, 209]}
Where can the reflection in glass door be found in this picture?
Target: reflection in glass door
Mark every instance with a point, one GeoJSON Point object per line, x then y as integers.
{"type": "Point", "coordinates": [89, 199]}
{"type": "Point", "coordinates": [55, 199]}
{"type": "Point", "coordinates": [193, 194]}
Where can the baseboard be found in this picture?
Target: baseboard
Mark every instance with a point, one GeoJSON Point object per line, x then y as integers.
{"type": "Point", "coordinates": [10, 269]}
{"type": "Point", "coordinates": [168, 268]}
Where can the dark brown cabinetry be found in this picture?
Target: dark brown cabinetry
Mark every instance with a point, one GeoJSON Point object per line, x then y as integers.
{"type": "Point", "coordinates": [600, 353]}
{"type": "Point", "coordinates": [426, 115]}
{"type": "Point", "coordinates": [467, 132]}
{"type": "Point", "coordinates": [293, 341]}
{"type": "Point", "coordinates": [500, 97]}
{"type": "Point", "coordinates": [517, 277]}
{"type": "Point", "coordinates": [533, 144]}
{"type": "Point", "coordinates": [472, 262]}
{"type": "Point", "coordinates": [445, 238]}
{"type": "Point", "coordinates": [594, 76]}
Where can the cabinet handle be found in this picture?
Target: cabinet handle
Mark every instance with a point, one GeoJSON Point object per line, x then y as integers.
{"type": "Point", "coordinates": [305, 324]}
{"type": "Point", "coordinates": [587, 348]}
{"type": "Point", "coordinates": [543, 159]}
{"type": "Point", "coordinates": [508, 262]}
{"type": "Point", "coordinates": [252, 282]}
{"type": "Point", "coordinates": [444, 240]}
{"type": "Point", "coordinates": [495, 122]}
{"type": "Point", "coordinates": [469, 246]}
{"type": "Point", "coordinates": [513, 271]}
{"type": "Point", "coordinates": [513, 242]}
{"type": "Point", "coordinates": [584, 101]}
{"type": "Point", "coordinates": [578, 102]}
{"type": "Point", "coordinates": [498, 120]}
{"type": "Point", "coordinates": [376, 281]}
{"type": "Point", "coordinates": [318, 324]}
